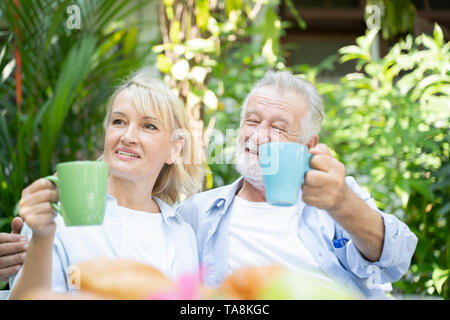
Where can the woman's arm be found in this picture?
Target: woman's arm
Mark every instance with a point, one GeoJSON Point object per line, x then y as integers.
{"type": "Point", "coordinates": [37, 269]}
{"type": "Point", "coordinates": [36, 210]}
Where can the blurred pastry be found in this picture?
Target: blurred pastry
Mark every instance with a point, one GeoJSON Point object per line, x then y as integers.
{"type": "Point", "coordinates": [41, 294]}
{"type": "Point", "coordinates": [120, 279]}
{"type": "Point", "coordinates": [247, 283]}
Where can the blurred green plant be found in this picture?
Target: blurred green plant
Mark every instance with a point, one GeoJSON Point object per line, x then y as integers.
{"type": "Point", "coordinates": [211, 54]}
{"type": "Point", "coordinates": [55, 81]}
{"type": "Point", "coordinates": [389, 124]}
{"type": "Point", "coordinates": [388, 121]}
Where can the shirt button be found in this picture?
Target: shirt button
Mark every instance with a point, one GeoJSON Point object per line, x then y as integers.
{"type": "Point", "coordinates": [210, 232]}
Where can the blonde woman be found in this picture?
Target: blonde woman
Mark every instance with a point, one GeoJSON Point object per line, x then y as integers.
{"type": "Point", "coordinates": [143, 148]}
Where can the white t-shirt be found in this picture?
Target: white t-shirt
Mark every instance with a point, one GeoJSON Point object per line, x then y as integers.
{"type": "Point", "coordinates": [143, 238]}
{"type": "Point", "coordinates": [262, 234]}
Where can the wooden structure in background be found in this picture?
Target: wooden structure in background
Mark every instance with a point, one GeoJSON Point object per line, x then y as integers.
{"type": "Point", "coordinates": [331, 20]}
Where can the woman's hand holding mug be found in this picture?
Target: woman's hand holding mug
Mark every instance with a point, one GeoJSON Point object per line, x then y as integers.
{"type": "Point", "coordinates": [35, 207]}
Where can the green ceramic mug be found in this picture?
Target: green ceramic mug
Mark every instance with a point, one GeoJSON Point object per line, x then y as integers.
{"type": "Point", "coordinates": [82, 187]}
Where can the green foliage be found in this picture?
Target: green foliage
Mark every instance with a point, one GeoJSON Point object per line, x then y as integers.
{"type": "Point", "coordinates": [212, 64]}
{"type": "Point", "coordinates": [389, 124]}
{"type": "Point", "coordinates": [388, 121]}
{"type": "Point", "coordinates": [67, 75]}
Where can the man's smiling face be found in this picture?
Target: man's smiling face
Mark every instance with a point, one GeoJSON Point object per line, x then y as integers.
{"type": "Point", "coordinates": [271, 115]}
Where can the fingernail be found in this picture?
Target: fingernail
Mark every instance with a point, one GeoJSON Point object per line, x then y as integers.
{"type": "Point", "coordinates": [25, 246]}
{"type": "Point", "coordinates": [23, 238]}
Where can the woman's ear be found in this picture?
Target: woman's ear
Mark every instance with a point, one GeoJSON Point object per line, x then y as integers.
{"type": "Point", "coordinates": [175, 151]}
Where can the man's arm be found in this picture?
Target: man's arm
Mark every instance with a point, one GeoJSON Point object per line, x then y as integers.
{"type": "Point", "coordinates": [325, 188]}
{"type": "Point", "coordinates": [13, 248]}
{"type": "Point", "coordinates": [365, 225]}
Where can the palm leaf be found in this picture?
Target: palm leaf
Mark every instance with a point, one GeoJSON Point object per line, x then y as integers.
{"type": "Point", "coordinates": [60, 69]}
{"type": "Point", "coordinates": [73, 73]}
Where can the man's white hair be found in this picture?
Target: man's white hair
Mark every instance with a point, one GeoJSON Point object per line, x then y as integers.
{"type": "Point", "coordinates": [284, 80]}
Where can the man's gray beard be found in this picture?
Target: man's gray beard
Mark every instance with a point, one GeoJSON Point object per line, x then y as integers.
{"type": "Point", "coordinates": [251, 171]}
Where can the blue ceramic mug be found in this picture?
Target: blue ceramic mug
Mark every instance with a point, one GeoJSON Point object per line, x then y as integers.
{"type": "Point", "coordinates": [283, 168]}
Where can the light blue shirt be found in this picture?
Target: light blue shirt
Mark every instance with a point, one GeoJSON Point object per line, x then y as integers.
{"type": "Point", "coordinates": [208, 214]}
{"type": "Point", "coordinates": [74, 245]}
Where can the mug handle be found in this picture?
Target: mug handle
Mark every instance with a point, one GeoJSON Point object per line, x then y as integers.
{"type": "Point", "coordinates": [55, 180]}
{"type": "Point", "coordinates": [309, 156]}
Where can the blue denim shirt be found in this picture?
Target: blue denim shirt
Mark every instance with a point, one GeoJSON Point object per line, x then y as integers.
{"type": "Point", "coordinates": [208, 214]}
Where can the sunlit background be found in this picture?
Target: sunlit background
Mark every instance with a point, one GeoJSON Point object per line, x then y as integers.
{"type": "Point", "coordinates": [383, 68]}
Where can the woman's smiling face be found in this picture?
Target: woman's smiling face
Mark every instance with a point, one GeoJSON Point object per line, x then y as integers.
{"type": "Point", "coordinates": [136, 146]}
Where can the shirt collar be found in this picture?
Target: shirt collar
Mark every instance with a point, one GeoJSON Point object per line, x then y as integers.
{"type": "Point", "coordinates": [224, 196]}
{"type": "Point", "coordinates": [166, 210]}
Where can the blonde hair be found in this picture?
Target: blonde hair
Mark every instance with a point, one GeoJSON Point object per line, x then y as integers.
{"type": "Point", "coordinates": [185, 175]}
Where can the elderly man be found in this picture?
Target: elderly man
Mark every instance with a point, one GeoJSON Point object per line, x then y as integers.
{"type": "Point", "coordinates": [335, 230]}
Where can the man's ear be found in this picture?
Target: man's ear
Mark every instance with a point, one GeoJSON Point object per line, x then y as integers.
{"type": "Point", "coordinates": [175, 151]}
{"type": "Point", "coordinates": [314, 141]}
